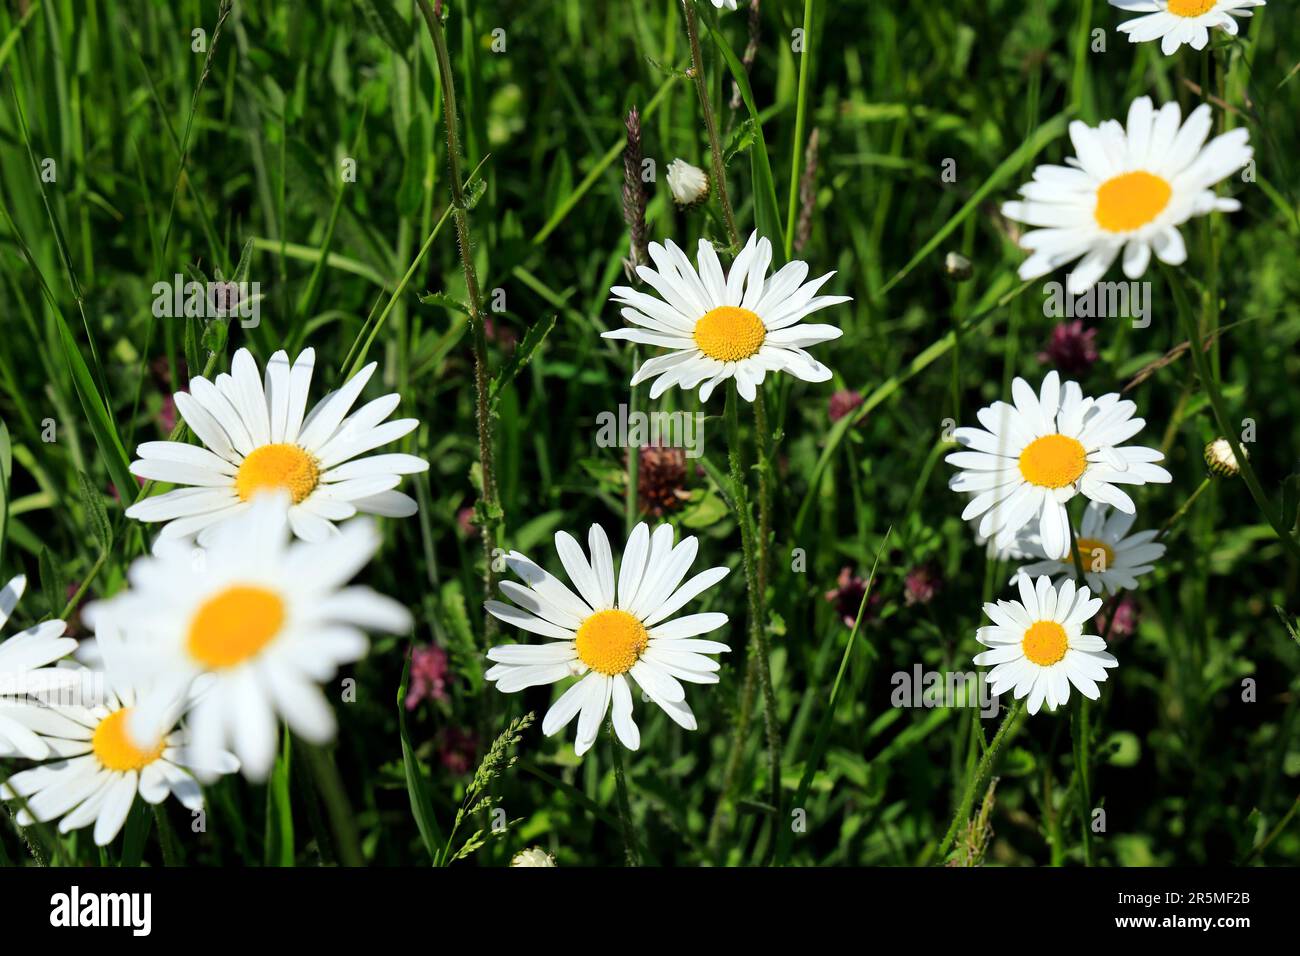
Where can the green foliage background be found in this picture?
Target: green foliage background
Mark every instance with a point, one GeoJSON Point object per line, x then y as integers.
{"type": "Point", "coordinates": [153, 179]}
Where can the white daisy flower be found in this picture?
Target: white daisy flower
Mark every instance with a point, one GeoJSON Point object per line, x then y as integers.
{"type": "Point", "coordinates": [720, 326]}
{"type": "Point", "coordinates": [267, 617]}
{"type": "Point", "coordinates": [1128, 191]}
{"type": "Point", "coordinates": [1038, 645]}
{"type": "Point", "coordinates": [25, 670]}
{"type": "Point", "coordinates": [1034, 456]}
{"type": "Point", "coordinates": [729, 4]}
{"type": "Point", "coordinates": [1023, 547]}
{"type": "Point", "coordinates": [1175, 22]}
{"type": "Point", "coordinates": [100, 766]}
{"type": "Point", "coordinates": [611, 633]}
{"type": "Point", "coordinates": [1111, 558]}
{"type": "Point", "coordinates": [259, 437]}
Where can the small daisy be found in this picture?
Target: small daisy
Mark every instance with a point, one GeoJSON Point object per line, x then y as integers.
{"type": "Point", "coordinates": [1112, 559]}
{"type": "Point", "coordinates": [1175, 22]}
{"type": "Point", "coordinates": [1038, 645]}
{"type": "Point", "coordinates": [25, 671]}
{"type": "Point", "coordinates": [725, 326]}
{"type": "Point", "coordinates": [1127, 192]}
{"type": "Point", "coordinates": [1034, 456]}
{"type": "Point", "coordinates": [267, 617]}
{"type": "Point", "coordinates": [100, 767]}
{"type": "Point", "coordinates": [259, 437]}
{"type": "Point", "coordinates": [611, 633]}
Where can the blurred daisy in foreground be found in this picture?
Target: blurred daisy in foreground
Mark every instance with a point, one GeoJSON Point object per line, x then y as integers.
{"type": "Point", "coordinates": [268, 618]}
{"type": "Point", "coordinates": [1034, 456]}
{"type": "Point", "coordinates": [1127, 192]}
{"type": "Point", "coordinates": [1111, 558]}
{"type": "Point", "coordinates": [24, 671]}
{"type": "Point", "coordinates": [1175, 22]}
{"type": "Point", "coordinates": [101, 768]}
{"type": "Point", "coordinates": [1038, 645]}
{"type": "Point", "coordinates": [720, 326]}
{"type": "Point", "coordinates": [259, 437]}
{"type": "Point", "coordinates": [613, 632]}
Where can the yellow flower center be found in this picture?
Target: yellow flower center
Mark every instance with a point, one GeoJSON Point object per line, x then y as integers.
{"type": "Point", "coordinates": [1045, 643]}
{"type": "Point", "coordinates": [1130, 201]}
{"type": "Point", "coordinates": [235, 624]}
{"type": "Point", "coordinates": [729, 333]}
{"type": "Point", "coordinates": [273, 467]}
{"type": "Point", "coordinates": [1090, 557]}
{"type": "Point", "coordinates": [1053, 461]}
{"type": "Point", "coordinates": [114, 749]}
{"type": "Point", "coordinates": [611, 641]}
{"type": "Point", "coordinates": [1190, 8]}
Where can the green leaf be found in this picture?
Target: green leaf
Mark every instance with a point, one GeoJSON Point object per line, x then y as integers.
{"type": "Point", "coordinates": [706, 512]}
{"type": "Point", "coordinates": [52, 584]}
{"type": "Point", "coordinates": [245, 263]}
{"type": "Point", "coordinates": [444, 300]}
{"type": "Point", "coordinates": [767, 216]}
{"type": "Point", "coordinates": [138, 822]}
{"type": "Point", "coordinates": [742, 137]}
{"type": "Point", "coordinates": [6, 469]}
{"type": "Point", "coordinates": [1290, 501]}
{"type": "Point", "coordinates": [417, 786]}
{"type": "Point", "coordinates": [96, 513]}
{"type": "Point", "coordinates": [385, 22]}
{"type": "Point", "coordinates": [533, 338]}
{"type": "Point", "coordinates": [474, 192]}
{"type": "Point", "coordinates": [279, 810]}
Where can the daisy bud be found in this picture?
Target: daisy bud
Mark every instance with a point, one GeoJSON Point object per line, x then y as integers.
{"type": "Point", "coordinates": [689, 184]}
{"type": "Point", "coordinates": [958, 267]}
{"type": "Point", "coordinates": [533, 856]}
{"type": "Point", "coordinates": [1220, 459]}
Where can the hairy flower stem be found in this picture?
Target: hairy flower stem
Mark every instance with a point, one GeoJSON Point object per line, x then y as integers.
{"type": "Point", "coordinates": [1079, 726]}
{"type": "Point", "coordinates": [624, 806]}
{"type": "Point", "coordinates": [739, 735]}
{"type": "Point", "coordinates": [759, 648]}
{"type": "Point", "coordinates": [710, 123]}
{"type": "Point", "coordinates": [977, 779]}
{"type": "Point", "coordinates": [489, 511]}
{"type": "Point", "coordinates": [764, 573]}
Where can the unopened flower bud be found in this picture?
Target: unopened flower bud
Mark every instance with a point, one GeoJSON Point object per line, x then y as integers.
{"type": "Point", "coordinates": [689, 184]}
{"type": "Point", "coordinates": [1220, 459]}
{"type": "Point", "coordinates": [958, 267]}
{"type": "Point", "coordinates": [533, 856]}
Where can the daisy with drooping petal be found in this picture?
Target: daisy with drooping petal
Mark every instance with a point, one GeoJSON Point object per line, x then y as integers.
{"type": "Point", "coordinates": [1032, 457]}
{"type": "Point", "coordinates": [718, 326]}
{"type": "Point", "coordinates": [1111, 558]}
{"type": "Point", "coordinates": [1038, 645]}
{"type": "Point", "coordinates": [1127, 192]}
{"type": "Point", "coordinates": [100, 767]}
{"type": "Point", "coordinates": [25, 660]}
{"type": "Point", "coordinates": [1175, 22]}
{"type": "Point", "coordinates": [267, 617]}
{"type": "Point", "coordinates": [259, 437]}
{"type": "Point", "coordinates": [614, 631]}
